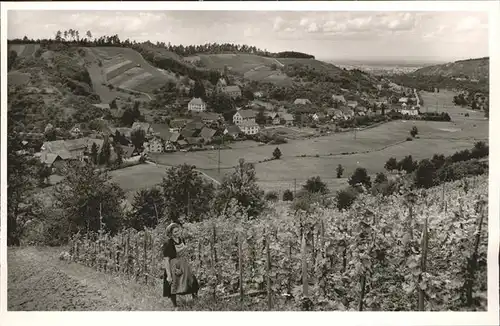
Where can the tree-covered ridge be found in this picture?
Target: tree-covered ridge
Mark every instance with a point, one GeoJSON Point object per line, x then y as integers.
{"type": "Point", "coordinates": [74, 36]}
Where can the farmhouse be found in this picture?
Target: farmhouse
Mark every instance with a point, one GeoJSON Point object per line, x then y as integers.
{"type": "Point", "coordinates": [54, 161]}
{"type": "Point", "coordinates": [352, 104]}
{"type": "Point", "coordinates": [232, 91]}
{"type": "Point", "coordinates": [258, 94]}
{"type": "Point", "coordinates": [274, 117]}
{"type": "Point", "coordinates": [207, 134]}
{"type": "Point", "coordinates": [197, 105]}
{"type": "Point", "coordinates": [127, 152]}
{"type": "Point", "coordinates": [302, 101]}
{"type": "Point", "coordinates": [347, 112]}
{"type": "Point", "coordinates": [162, 131]}
{"type": "Point", "coordinates": [403, 100]}
{"type": "Point", "coordinates": [177, 124]}
{"type": "Point", "coordinates": [209, 118]}
{"type": "Point", "coordinates": [221, 84]}
{"type": "Point", "coordinates": [413, 111]}
{"type": "Point", "coordinates": [318, 116]}
{"type": "Point", "coordinates": [339, 99]}
{"type": "Point", "coordinates": [76, 131]}
{"type": "Point", "coordinates": [244, 116]}
{"type": "Point", "coordinates": [175, 137]}
{"type": "Point", "coordinates": [233, 131]}
{"type": "Point", "coordinates": [154, 145]}
{"type": "Point", "coordinates": [249, 127]}
{"type": "Point", "coordinates": [257, 103]}
{"type": "Point", "coordinates": [288, 118]}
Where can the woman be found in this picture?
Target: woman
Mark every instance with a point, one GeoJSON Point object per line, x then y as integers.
{"type": "Point", "coordinates": [178, 274]}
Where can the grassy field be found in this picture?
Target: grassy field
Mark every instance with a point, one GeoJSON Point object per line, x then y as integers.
{"type": "Point", "coordinates": [120, 68]}
{"type": "Point", "coordinates": [253, 67]}
{"type": "Point", "coordinates": [137, 177]}
{"type": "Point", "coordinates": [24, 50]}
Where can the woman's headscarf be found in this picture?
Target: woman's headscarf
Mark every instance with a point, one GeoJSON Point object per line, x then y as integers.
{"type": "Point", "coordinates": [170, 229]}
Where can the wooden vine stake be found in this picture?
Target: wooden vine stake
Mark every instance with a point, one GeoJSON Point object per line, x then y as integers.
{"type": "Point", "coordinates": [268, 266]}
{"type": "Point", "coordinates": [472, 261]}
{"type": "Point", "coordinates": [305, 281]}
{"type": "Point", "coordinates": [145, 262]}
{"type": "Point", "coordinates": [214, 260]}
{"type": "Point", "coordinates": [136, 261]}
{"type": "Point", "coordinates": [423, 264]}
{"type": "Point", "coordinates": [240, 265]}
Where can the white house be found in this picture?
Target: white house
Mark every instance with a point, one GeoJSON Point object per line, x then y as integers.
{"type": "Point", "coordinates": [249, 128]}
{"type": "Point", "coordinates": [410, 111]}
{"type": "Point", "coordinates": [403, 100]}
{"type": "Point", "coordinates": [197, 105]}
{"type": "Point", "coordinates": [244, 116]}
{"type": "Point", "coordinates": [302, 101]}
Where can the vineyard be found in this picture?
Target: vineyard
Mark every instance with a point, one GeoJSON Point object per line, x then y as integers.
{"type": "Point", "coordinates": [415, 251]}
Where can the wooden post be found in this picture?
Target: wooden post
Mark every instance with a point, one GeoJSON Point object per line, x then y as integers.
{"type": "Point", "coordinates": [268, 267]}
{"type": "Point", "coordinates": [240, 264]}
{"type": "Point", "coordinates": [305, 281]}
{"type": "Point", "coordinates": [214, 261]}
{"type": "Point", "coordinates": [423, 264]}
{"type": "Point", "coordinates": [145, 262]}
{"type": "Point", "coordinates": [290, 267]}
{"type": "Point", "coordinates": [137, 267]}
{"type": "Point", "coordinates": [127, 254]}
{"type": "Point", "coordinates": [472, 261]}
{"type": "Point", "coordinates": [153, 255]}
{"type": "Point", "coordinates": [362, 295]}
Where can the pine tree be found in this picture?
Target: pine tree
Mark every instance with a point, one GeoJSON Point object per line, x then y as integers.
{"type": "Point", "coordinates": [94, 152]}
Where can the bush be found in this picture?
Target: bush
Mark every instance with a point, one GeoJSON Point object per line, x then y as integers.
{"type": "Point", "coordinates": [288, 195]}
{"type": "Point", "coordinates": [271, 196]}
{"type": "Point", "coordinates": [345, 198]}
{"type": "Point", "coordinates": [409, 139]}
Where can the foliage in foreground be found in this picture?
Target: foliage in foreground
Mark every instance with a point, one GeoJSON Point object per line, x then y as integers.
{"type": "Point", "coordinates": [366, 258]}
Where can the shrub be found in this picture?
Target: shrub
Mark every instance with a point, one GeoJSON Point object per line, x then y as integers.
{"type": "Point", "coordinates": [409, 139]}
{"type": "Point", "coordinates": [360, 176]}
{"type": "Point", "coordinates": [276, 153]}
{"type": "Point", "coordinates": [288, 195]}
{"type": "Point", "coordinates": [271, 196]}
{"type": "Point", "coordinates": [345, 198]}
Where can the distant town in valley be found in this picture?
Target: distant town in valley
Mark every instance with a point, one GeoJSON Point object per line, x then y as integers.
{"type": "Point", "coordinates": [303, 184]}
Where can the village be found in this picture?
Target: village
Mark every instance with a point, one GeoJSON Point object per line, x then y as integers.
{"type": "Point", "coordinates": [207, 130]}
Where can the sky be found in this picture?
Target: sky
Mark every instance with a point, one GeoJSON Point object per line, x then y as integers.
{"type": "Point", "coordinates": [328, 35]}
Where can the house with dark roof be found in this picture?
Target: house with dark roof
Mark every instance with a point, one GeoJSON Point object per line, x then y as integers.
{"type": "Point", "coordinates": [177, 124]}
{"type": "Point", "coordinates": [162, 130]}
{"type": "Point", "coordinates": [289, 119]}
{"type": "Point", "coordinates": [209, 117]}
{"type": "Point", "coordinates": [233, 91]}
{"type": "Point", "coordinates": [244, 116]}
{"type": "Point", "coordinates": [233, 131]}
{"type": "Point", "coordinates": [207, 134]}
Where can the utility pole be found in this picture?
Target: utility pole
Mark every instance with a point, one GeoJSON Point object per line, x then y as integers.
{"type": "Point", "coordinates": [218, 163]}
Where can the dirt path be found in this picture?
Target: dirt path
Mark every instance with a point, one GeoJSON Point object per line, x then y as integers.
{"type": "Point", "coordinates": [38, 280]}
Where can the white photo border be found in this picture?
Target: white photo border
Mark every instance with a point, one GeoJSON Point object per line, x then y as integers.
{"type": "Point", "coordinates": [491, 317]}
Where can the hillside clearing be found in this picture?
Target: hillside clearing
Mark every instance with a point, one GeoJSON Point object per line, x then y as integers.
{"type": "Point", "coordinates": [24, 50]}
{"type": "Point", "coordinates": [128, 62]}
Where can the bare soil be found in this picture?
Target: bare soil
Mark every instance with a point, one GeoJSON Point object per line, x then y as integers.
{"type": "Point", "coordinates": [39, 281]}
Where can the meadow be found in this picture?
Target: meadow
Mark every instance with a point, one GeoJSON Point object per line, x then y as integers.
{"type": "Point", "coordinates": [126, 68]}
{"type": "Point", "coordinates": [24, 50]}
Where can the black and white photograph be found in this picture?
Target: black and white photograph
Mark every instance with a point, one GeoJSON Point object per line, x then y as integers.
{"type": "Point", "coordinates": [247, 160]}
